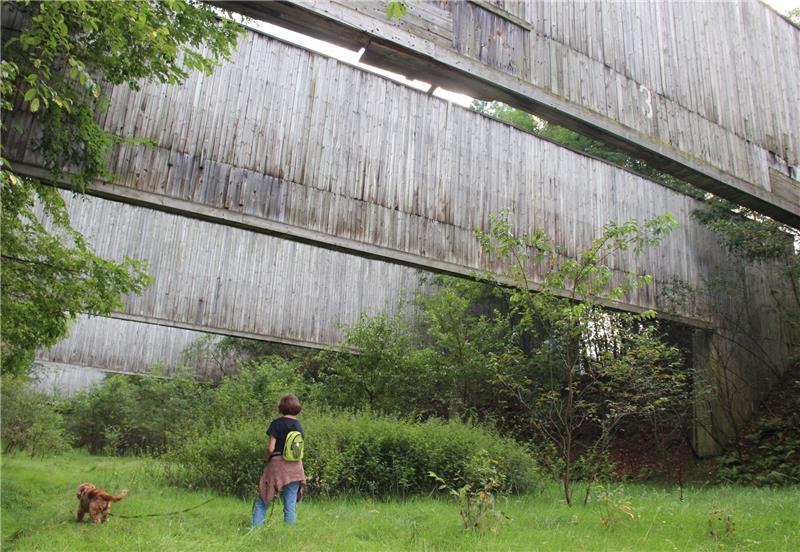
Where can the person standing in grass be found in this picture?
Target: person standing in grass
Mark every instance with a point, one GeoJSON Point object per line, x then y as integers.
{"type": "Point", "coordinates": [280, 475]}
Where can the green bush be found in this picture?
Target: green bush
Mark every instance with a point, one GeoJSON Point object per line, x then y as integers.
{"type": "Point", "coordinates": [350, 454]}
{"type": "Point", "coordinates": [769, 454]}
{"type": "Point", "coordinates": [29, 420]}
{"type": "Point", "coordinates": [134, 415]}
{"type": "Point", "coordinates": [126, 414]}
{"type": "Point", "coordinates": [227, 458]}
{"type": "Point", "coordinates": [255, 391]}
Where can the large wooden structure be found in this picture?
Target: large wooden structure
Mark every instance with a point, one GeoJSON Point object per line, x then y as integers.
{"type": "Point", "coordinates": [213, 278]}
{"type": "Point", "coordinates": [276, 142]}
{"type": "Point", "coordinates": [368, 180]}
{"type": "Point", "coordinates": [707, 91]}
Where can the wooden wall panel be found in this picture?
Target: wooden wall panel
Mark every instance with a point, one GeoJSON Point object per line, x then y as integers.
{"type": "Point", "coordinates": [99, 345]}
{"type": "Point", "coordinates": [120, 345]}
{"type": "Point", "coordinates": [486, 36]}
{"type": "Point", "coordinates": [216, 278]}
{"type": "Point", "coordinates": [278, 141]}
{"type": "Point", "coordinates": [707, 91]}
{"type": "Point", "coordinates": [726, 72]}
{"type": "Point", "coordinates": [64, 380]}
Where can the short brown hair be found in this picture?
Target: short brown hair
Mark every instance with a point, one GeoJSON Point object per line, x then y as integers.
{"type": "Point", "coordinates": [289, 405]}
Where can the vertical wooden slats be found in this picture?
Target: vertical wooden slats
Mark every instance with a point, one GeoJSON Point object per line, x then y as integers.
{"type": "Point", "coordinates": [224, 279]}
{"type": "Point", "coordinates": [718, 79]}
{"type": "Point", "coordinates": [352, 156]}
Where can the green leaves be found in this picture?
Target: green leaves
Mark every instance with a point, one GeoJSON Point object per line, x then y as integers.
{"type": "Point", "coordinates": [50, 275]}
{"type": "Point", "coordinates": [66, 48]}
{"type": "Point", "coordinates": [582, 364]}
{"type": "Point", "coordinates": [482, 486]}
{"type": "Point", "coordinates": [396, 9]}
{"type": "Point", "coordinates": [63, 51]}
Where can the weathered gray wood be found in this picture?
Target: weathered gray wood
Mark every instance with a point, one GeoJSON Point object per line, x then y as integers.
{"type": "Point", "coordinates": [220, 279]}
{"type": "Point", "coordinates": [706, 90]}
{"type": "Point", "coordinates": [277, 141]}
{"type": "Point", "coordinates": [65, 380]}
{"type": "Point", "coordinates": [123, 346]}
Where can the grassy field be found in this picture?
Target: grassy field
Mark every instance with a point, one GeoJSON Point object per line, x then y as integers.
{"type": "Point", "coordinates": [39, 505]}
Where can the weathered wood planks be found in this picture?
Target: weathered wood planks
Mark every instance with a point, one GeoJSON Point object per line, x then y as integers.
{"type": "Point", "coordinates": [708, 91]}
{"type": "Point", "coordinates": [217, 278]}
{"type": "Point", "coordinates": [277, 141]}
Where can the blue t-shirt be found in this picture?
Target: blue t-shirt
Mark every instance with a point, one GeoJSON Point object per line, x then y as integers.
{"type": "Point", "coordinates": [280, 428]}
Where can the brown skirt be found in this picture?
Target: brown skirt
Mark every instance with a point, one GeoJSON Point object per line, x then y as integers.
{"type": "Point", "coordinates": [277, 474]}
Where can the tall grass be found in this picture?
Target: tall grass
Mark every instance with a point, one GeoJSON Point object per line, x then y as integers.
{"type": "Point", "coordinates": [38, 509]}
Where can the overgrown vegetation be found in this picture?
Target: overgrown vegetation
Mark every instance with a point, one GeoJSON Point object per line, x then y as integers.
{"type": "Point", "coordinates": [348, 455]}
{"type": "Point", "coordinates": [139, 415]}
{"type": "Point", "coordinates": [214, 436]}
{"type": "Point", "coordinates": [550, 368]}
{"type": "Point", "coordinates": [30, 422]}
{"type": "Point", "coordinates": [746, 235]}
{"type": "Point", "coordinates": [478, 491]}
{"type": "Point", "coordinates": [132, 415]}
{"type": "Point", "coordinates": [769, 451]}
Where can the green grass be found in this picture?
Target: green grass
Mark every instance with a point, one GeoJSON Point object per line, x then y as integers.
{"type": "Point", "coordinates": [39, 504]}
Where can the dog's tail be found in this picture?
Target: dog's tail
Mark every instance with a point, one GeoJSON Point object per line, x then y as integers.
{"type": "Point", "coordinates": [109, 497]}
{"type": "Point", "coordinates": [119, 497]}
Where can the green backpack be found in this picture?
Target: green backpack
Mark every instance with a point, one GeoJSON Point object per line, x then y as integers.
{"type": "Point", "coordinates": [293, 448]}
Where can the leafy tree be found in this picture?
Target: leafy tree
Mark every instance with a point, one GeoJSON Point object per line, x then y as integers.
{"type": "Point", "coordinates": [574, 394]}
{"type": "Point", "coordinates": [435, 361]}
{"type": "Point", "coordinates": [462, 322]}
{"type": "Point", "coordinates": [55, 67]}
{"type": "Point", "coordinates": [379, 367]}
{"type": "Point", "coordinates": [745, 233]}
{"type": "Point", "coordinates": [30, 420]}
{"type": "Point", "coordinates": [49, 274]}
{"type": "Point", "coordinates": [547, 368]}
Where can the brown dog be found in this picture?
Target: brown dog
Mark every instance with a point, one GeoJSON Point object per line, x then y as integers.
{"type": "Point", "coordinates": [95, 501]}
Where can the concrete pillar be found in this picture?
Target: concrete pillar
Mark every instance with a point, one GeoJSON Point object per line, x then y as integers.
{"type": "Point", "coordinates": [702, 356]}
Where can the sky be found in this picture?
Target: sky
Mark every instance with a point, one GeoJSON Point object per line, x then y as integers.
{"type": "Point", "coordinates": [352, 57]}
{"type": "Point", "coordinates": [783, 6]}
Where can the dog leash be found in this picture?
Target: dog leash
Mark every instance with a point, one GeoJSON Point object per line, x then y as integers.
{"type": "Point", "coordinates": [165, 513]}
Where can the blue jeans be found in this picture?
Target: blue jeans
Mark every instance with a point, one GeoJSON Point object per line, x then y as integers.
{"type": "Point", "coordinates": [289, 494]}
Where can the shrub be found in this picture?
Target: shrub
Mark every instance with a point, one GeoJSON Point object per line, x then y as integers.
{"type": "Point", "coordinates": [126, 414]}
{"type": "Point", "coordinates": [227, 458]}
{"type": "Point", "coordinates": [768, 452]}
{"type": "Point", "coordinates": [362, 454]}
{"type": "Point", "coordinates": [479, 493]}
{"type": "Point", "coordinates": [255, 391]}
{"type": "Point", "coordinates": [30, 421]}
{"type": "Point", "coordinates": [350, 454]}
{"type": "Point", "coordinates": [133, 415]}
